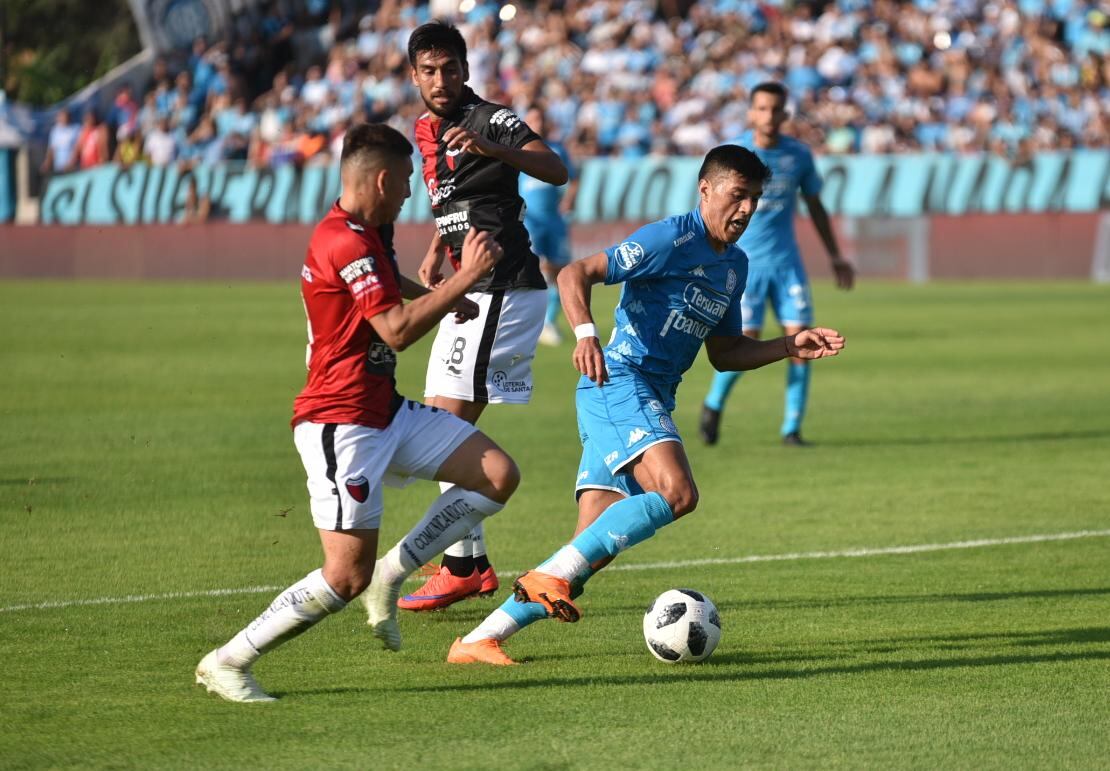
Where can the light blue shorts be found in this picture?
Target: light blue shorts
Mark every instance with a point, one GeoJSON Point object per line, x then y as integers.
{"type": "Point", "coordinates": [786, 286]}
{"type": "Point", "coordinates": [617, 423]}
{"type": "Point", "coordinates": [550, 238]}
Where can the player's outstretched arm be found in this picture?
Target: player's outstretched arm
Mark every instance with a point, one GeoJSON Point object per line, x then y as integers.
{"type": "Point", "coordinates": [465, 309]}
{"type": "Point", "coordinates": [842, 269]}
{"type": "Point", "coordinates": [575, 287]}
{"type": "Point", "coordinates": [743, 353]}
{"type": "Point", "coordinates": [402, 325]}
{"type": "Point", "coordinates": [535, 159]}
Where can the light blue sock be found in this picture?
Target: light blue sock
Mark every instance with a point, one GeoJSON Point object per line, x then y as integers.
{"type": "Point", "coordinates": [552, 305]}
{"type": "Point", "coordinates": [797, 394]}
{"type": "Point", "coordinates": [622, 526]}
{"type": "Point", "coordinates": [523, 613]}
{"type": "Point", "coordinates": [719, 391]}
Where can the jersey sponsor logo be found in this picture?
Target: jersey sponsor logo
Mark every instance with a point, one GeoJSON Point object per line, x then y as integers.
{"type": "Point", "coordinates": [704, 302]}
{"type": "Point", "coordinates": [637, 435]}
{"type": "Point", "coordinates": [730, 281]}
{"type": "Point", "coordinates": [439, 191]}
{"type": "Point", "coordinates": [360, 267]}
{"type": "Point", "coordinates": [381, 359]}
{"type": "Point", "coordinates": [612, 457]}
{"type": "Point", "coordinates": [371, 282]}
{"type": "Point", "coordinates": [636, 307]}
{"type": "Point", "coordinates": [629, 254]}
{"type": "Point", "coordinates": [684, 238]}
{"type": "Point", "coordinates": [667, 424]}
{"type": "Point", "coordinates": [355, 226]}
{"type": "Point", "coordinates": [502, 383]}
{"type": "Point", "coordinates": [306, 274]}
{"type": "Point", "coordinates": [358, 488]}
{"type": "Point", "coordinates": [682, 323]}
{"type": "Point", "coordinates": [505, 117]}
{"type": "Point", "coordinates": [455, 222]}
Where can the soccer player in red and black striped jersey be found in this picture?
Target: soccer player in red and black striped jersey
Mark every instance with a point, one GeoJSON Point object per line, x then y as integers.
{"type": "Point", "coordinates": [351, 427]}
{"type": "Point", "coordinates": [473, 154]}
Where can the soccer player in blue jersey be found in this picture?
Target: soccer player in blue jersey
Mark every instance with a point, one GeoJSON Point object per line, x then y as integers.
{"type": "Point", "coordinates": [545, 218]}
{"type": "Point", "coordinates": [683, 278]}
{"type": "Point", "coordinates": [775, 269]}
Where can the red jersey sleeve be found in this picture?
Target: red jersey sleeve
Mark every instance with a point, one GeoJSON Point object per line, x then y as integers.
{"type": "Point", "coordinates": [369, 278]}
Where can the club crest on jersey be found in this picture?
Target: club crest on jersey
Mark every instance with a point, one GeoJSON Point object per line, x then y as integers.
{"type": "Point", "coordinates": [629, 254]}
{"type": "Point", "coordinates": [730, 281]}
{"type": "Point", "coordinates": [667, 424]}
{"type": "Point", "coordinates": [358, 488]}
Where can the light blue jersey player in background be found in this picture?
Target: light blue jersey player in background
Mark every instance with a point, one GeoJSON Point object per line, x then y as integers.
{"type": "Point", "coordinates": [775, 271]}
{"type": "Point", "coordinates": [683, 278]}
{"type": "Point", "coordinates": [545, 218]}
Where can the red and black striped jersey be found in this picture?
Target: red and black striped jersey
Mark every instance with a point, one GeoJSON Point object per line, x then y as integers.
{"type": "Point", "coordinates": [349, 276]}
{"type": "Point", "coordinates": [469, 190]}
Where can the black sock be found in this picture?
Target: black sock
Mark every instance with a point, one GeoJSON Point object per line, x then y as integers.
{"type": "Point", "coordinates": [459, 566]}
{"type": "Point", "coordinates": [481, 563]}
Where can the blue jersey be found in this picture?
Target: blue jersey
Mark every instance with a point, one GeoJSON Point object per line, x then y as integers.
{"type": "Point", "coordinates": [677, 291]}
{"type": "Point", "coordinates": [541, 198]}
{"type": "Point", "coordinates": [769, 239]}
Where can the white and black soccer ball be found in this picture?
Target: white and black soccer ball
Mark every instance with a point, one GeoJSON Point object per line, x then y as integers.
{"type": "Point", "coordinates": [682, 625]}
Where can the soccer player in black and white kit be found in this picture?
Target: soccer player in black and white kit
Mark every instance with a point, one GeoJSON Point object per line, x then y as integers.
{"type": "Point", "coordinates": [473, 153]}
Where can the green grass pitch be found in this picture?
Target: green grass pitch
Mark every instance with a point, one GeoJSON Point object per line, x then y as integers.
{"type": "Point", "coordinates": [145, 452]}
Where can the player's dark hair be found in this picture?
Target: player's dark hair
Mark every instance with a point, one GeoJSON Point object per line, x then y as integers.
{"type": "Point", "coordinates": [374, 143]}
{"type": "Point", "coordinates": [770, 87]}
{"type": "Point", "coordinates": [734, 158]}
{"type": "Point", "coordinates": [436, 36]}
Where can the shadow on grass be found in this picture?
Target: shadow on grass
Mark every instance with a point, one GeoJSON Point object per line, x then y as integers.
{"type": "Point", "coordinates": [723, 668]}
{"type": "Point", "coordinates": [915, 441]}
{"type": "Point", "coordinates": [803, 603]}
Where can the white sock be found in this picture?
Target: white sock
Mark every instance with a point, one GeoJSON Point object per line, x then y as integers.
{"type": "Point", "coordinates": [292, 612]}
{"type": "Point", "coordinates": [447, 520]}
{"type": "Point", "coordinates": [478, 540]}
{"type": "Point", "coordinates": [498, 625]}
{"type": "Point", "coordinates": [460, 548]}
{"type": "Point", "coordinates": [567, 563]}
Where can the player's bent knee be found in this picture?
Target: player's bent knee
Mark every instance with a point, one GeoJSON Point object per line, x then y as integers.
{"type": "Point", "coordinates": [681, 496]}
{"type": "Point", "coordinates": [504, 477]}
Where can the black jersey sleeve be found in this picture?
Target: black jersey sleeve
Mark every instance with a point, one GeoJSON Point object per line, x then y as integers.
{"type": "Point", "coordinates": [503, 126]}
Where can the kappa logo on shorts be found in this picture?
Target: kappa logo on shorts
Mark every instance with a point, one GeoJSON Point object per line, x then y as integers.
{"type": "Point", "coordinates": [636, 434]}
{"type": "Point", "coordinates": [359, 488]}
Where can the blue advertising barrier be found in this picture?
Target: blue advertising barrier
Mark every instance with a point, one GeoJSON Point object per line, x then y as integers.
{"type": "Point", "coordinates": [610, 189]}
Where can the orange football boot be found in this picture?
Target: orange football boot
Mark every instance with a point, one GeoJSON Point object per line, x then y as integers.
{"type": "Point", "coordinates": [487, 651]}
{"type": "Point", "coordinates": [551, 592]}
{"type": "Point", "coordinates": [441, 590]}
{"type": "Point", "coordinates": [490, 584]}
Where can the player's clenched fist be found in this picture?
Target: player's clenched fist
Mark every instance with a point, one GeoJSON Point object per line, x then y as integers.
{"type": "Point", "coordinates": [480, 252]}
{"type": "Point", "coordinates": [589, 360]}
{"type": "Point", "coordinates": [815, 343]}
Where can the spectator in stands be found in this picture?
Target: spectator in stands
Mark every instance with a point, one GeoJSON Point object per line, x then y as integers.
{"type": "Point", "coordinates": [160, 145]}
{"type": "Point", "coordinates": [129, 147]}
{"type": "Point", "coordinates": [92, 141]}
{"type": "Point", "coordinates": [61, 148]}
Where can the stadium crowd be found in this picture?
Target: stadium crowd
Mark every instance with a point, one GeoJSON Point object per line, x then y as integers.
{"type": "Point", "coordinates": [628, 77]}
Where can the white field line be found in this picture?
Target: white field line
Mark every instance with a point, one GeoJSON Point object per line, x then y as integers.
{"type": "Point", "coordinates": [792, 556]}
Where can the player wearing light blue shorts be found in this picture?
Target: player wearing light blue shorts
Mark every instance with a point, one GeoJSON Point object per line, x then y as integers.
{"type": "Point", "coordinates": [776, 274]}
{"type": "Point", "coordinates": [545, 219]}
{"type": "Point", "coordinates": [682, 281]}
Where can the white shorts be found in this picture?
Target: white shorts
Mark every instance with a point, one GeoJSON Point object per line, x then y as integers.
{"type": "Point", "coordinates": [346, 463]}
{"type": "Point", "coordinates": [489, 359]}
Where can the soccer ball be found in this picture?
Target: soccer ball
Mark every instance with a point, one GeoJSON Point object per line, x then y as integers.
{"type": "Point", "coordinates": [682, 625]}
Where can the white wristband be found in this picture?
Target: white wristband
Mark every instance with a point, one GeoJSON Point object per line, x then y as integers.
{"type": "Point", "coordinates": [585, 330]}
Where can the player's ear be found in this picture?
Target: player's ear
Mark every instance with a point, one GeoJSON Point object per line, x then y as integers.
{"type": "Point", "coordinates": [465, 72]}
{"type": "Point", "coordinates": [381, 180]}
{"type": "Point", "coordinates": [703, 189]}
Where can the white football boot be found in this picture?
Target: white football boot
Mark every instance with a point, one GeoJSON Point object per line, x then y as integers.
{"type": "Point", "coordinates": [229, 682]}
{"type": "Point", "coordinates": [380, 600]}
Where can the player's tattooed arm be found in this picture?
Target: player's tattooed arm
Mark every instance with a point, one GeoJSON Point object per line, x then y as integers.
{"type": "Point", "coordinates": [402, 325]}
{"type": "Point", "coordinates": [575, 287]}
{"type": "Point", "coordinates": [740, 353]}
{"type": "Point", "coordinates": [845, 273]}
{"type": "Point", "coordinates": [535, 159]}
